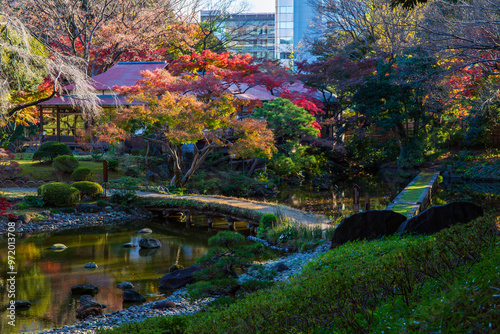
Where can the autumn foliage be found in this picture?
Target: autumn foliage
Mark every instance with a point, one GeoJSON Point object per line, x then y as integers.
{"type": "Point", "coordinates": [196, 101]}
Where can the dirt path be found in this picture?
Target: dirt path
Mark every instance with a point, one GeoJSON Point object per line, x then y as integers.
{"type": "Point", "coordinates": [263, 207]}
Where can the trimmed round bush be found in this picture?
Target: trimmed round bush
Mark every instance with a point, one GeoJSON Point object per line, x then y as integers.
{"type": "Point", "coordinates": [51, 149]}
{"type": "Point", "coordinates": [113, 164]}
{"type": "Point", "coordinates": [267, 221]}
{"type": "Point", "coordinates": [65, 163]}
{"type": "Point", "coordinates": [59, 194]}
{"type": "Point", "coordinates": [87, 188]}
{"type": "Point", "coordinates": [82, 174]}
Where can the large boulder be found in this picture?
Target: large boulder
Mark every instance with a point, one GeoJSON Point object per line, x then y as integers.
{"type": "Point", "coordinates": [22, 304]}
{"type": "Point", "coordinates": [88, 308]}
{"type": "Point", "coordinates": [163, 304]}
{"type": "Point", "coordinates": [132, 296]}
{"type": "Point", "coordinates": [125, 286]}
{"type": "Point", "coordinates": [149, 243]}
{"type": "Point", "coordinates": [178, 278]}
{"type": "Point", "coordinates": [442, 216]}
{"type": "Point", "coordinates": [367, 225]}
{"type": "Point", "coordinates": [84, 289]}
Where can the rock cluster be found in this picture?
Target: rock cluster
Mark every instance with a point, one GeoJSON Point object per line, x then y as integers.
{"type": "Point", "coordinates": [62, 221]}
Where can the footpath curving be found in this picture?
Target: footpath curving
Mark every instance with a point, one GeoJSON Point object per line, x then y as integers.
{"type": "Point", "coordinates": [232, 206]}
{"type": "Point", "coordinates": [224, 205]}
{"type": "Point", "coordinates": [416, 197]}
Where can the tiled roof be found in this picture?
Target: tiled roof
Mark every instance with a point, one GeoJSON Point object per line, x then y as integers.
{"type": "Point", "coordinates": [123, 74]}
{"type": "Point", "coordinates": [105, 100]}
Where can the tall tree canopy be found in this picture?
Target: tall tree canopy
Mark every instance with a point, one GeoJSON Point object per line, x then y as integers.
{"type": "Point", "coordinates": [30, 72]}
{"type": "Point", "coordinates": [196, 101]}
{"type": "Point", "coordinates": [102, 32]}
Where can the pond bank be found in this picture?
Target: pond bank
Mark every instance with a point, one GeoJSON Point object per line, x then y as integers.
{"type": "Point", "coordinates": [295, 262]}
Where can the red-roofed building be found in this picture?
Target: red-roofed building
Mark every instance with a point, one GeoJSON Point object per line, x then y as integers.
{"type": "Point", "coordinates": [60, 118]}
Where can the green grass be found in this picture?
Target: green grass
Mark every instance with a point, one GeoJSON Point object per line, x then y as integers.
{"type": "Point", "coordinates": [45, 172]}
{"type": "Point", "coordinates": [444, 283]}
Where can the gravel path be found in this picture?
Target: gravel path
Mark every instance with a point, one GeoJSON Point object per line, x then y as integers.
{"type": "Point", "coordinates": [263, 207]}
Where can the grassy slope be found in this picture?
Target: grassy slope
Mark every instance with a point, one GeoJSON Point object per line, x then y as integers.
{"type": "Point", "coordinates": [45, 172]}
{"type": "Point", "coordinates": [442, 283]}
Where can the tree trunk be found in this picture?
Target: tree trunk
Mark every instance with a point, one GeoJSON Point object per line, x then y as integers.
{"type": "Point", "coordinates": [252, 169]}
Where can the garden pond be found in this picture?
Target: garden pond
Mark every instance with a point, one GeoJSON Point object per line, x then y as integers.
{"type": "Point", "coordinates": [45, 277]}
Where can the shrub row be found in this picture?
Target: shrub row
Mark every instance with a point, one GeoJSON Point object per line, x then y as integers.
{"type": "Point", "coordinates": [61, 194]}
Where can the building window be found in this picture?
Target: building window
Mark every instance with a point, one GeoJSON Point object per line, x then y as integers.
{"type": "Point", "coordinates": [285, 10]}
{"type": "Point", "coordinates": [285, 55]}
{"type": "Point", "coordinates": [286, 25]}
{"type": "Point", "coordinates": [286, 40]}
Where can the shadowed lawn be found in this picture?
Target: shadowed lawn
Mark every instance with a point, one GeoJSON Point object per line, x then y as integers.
{"type": "Point", "coordinates": [45, 172]}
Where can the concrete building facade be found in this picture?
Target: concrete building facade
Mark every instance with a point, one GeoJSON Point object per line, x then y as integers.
{"type": "Point", "coordinates": [294, 19]}
{"type": "Point", "coordinates": [253, 33]}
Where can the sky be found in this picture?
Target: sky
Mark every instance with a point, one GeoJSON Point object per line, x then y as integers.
{"type": "Point", "coordinates": [261, 5]}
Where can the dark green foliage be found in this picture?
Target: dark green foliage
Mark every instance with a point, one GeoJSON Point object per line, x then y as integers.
{"type": "Point", "coordinates": [266, 222]}
{"type": "Point", "coordinates": [370, 151]}
{"type": "Point", "coordinates": [82, 174]}
{"type": "Point", "coordinates": [225, 183]}
{"type": "Point", "coordinates": [113, 164]}
{"type": "Point", "coordinates": [220, 266]}
{"type": "Point", "coordinates": [412, 154]}
{"type": "Point", "coordinates": [214, 288]}
{"type": "Point", "coordinates": [31, 202]}
{"type": "Point", "coordinates": [288, 121]}
{"type": "Point", "coordinates": [65, 163]}
{"type": "Point", "coordinates": [400, 92]}
{"type": "Point", "coordinates": [290, 124]}
{"type": "Point", "coordinates": [87, 188]}
{"type": "Point", "coordinates": [255, 285]}
{"type": "Point", "coordinates": [102, 203]}
{"type": "Point", "coordinates": [51, 149]}
{"type": "Point", "coordinates": [226, 239]}
{"type": "Point", "coordinates": [59, 194]}
{"type": "Point", "coordinates": [125, 190]}
{"type": "Point", "coordinates": [478, 134]}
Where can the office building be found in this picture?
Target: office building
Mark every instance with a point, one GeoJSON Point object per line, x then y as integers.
{"type": "Point", "coordinates": [294, 20]}
{"type": "Point", "coordinates": [251, 33]}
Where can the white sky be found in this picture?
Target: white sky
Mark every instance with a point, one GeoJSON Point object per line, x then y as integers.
{"type": "Point", "coordinates": [261, 5]}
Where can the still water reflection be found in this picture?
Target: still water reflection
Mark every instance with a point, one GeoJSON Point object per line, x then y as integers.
{"type": "Point", "coordinates": [45, 277]}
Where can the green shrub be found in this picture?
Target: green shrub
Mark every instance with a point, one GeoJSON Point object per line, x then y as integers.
{"type": "Point", "coordinates": [125, 190]}
{"type": "Point", "coordinates": [59, 194]}
{"type": "Point", "coordinates": [226, 239]}
{"type": "Point", "coordinates": [82, 174]}
{"type": "Point", "coordinates": [102, 203]}
{"type": "Point", "coordinates": [216, 287]}
{"type": "Point", "coordinates": [87, 188]}
{"type": "Point", "coordinates": [51, 149]}
{"type": "Point", "coordinates": [65, 163]}
{"type": "Point", "coordinates": [31, 202]}
{"type": "Point", "coordinates": [267, 222]}
{"type": "Point", "coordinates": [255, 285]}
{"type": "Point", "coordinates": [113, 164]}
